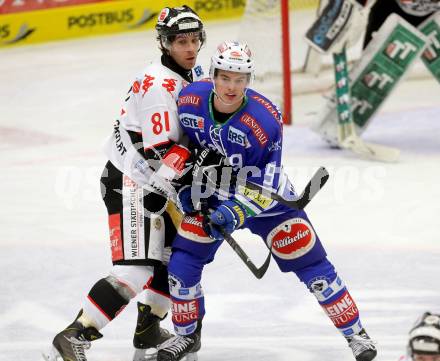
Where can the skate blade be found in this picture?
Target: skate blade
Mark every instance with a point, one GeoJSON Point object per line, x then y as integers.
{"type": "Point", "coordinates": [52, 355]}
{"type": "Point", "coordinates": [145, 354]}
{"type": "Point", "coordinates": [192, 356]}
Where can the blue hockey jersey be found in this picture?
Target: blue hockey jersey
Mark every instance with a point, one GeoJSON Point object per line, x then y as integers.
{"type": "Point", "coordinates": [251, 139]}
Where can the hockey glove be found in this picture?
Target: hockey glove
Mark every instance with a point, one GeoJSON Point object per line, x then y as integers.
{"type": "Point", "coordinates": [173, 165]}
{"type": "Point", "coordinates": [175, 162]}
{"type": "Point", "coordinates": [184, 201]}
{"type": "Point", "coordinates": [227, 217]}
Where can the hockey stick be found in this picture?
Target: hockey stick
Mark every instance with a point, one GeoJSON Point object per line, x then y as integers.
{"type": "Point", "coordinates": [312, 188]}
{"type": "Point", "coordinates": [347, 136]}
{"type": "Point", "coordinates": [257, 272]}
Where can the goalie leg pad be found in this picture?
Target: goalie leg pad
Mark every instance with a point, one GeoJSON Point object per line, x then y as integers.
{"type": "Point", "coordinates": [332, 294]}
{"type": "Point", "coordinates": [431, 56]}
{"type": "Point", "coordinates": [383, 64]}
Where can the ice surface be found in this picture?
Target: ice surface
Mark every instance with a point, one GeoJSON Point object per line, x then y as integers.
{"type": "Point", "coordinates": [379, 222]}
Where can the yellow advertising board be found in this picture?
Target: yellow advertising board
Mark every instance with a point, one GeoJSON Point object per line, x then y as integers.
{"type": "Point", "coordinates": [102, 18]}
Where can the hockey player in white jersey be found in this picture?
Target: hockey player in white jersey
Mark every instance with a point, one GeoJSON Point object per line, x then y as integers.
{"type": "Point", "coordinates": [144, 140]}
{"type": "Point", "coordinates": [424, 339]}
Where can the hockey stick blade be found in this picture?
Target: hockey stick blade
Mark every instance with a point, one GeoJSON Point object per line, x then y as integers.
{"type": "Point", "coordinates": [371, 150]}
{"type": "Point", "coordinates": [257, 272]}
{"type": "Point", "coordinates": [312, 188]}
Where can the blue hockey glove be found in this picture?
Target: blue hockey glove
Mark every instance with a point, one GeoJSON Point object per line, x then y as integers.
{"type": "Point", "coordinates": [184, 201]}
{"type": "Point", "coordinates": [227, 217]}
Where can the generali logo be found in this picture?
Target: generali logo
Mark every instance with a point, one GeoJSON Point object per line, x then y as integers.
{"type": "Point", "coordinates": [258, 131]}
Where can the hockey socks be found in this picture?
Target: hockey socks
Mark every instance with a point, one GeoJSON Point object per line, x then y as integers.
{"type": "Point", "coordinates": [187, 300]}
{"type": "Point", "coordinates": [103, 303]}
{"type": "Point", "coordinates": [333, 296]}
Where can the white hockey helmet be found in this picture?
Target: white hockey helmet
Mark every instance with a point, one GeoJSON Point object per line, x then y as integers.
{"type": "Point", "coordinates": [232, 56]}
{"type": "Point", "coordinates": [424, 337]}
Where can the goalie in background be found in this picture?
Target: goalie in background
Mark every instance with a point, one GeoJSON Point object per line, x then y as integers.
{"type": "Point", "coordinates": [397, 33]}
{"type": "Point", "coordinates": [424, 339]}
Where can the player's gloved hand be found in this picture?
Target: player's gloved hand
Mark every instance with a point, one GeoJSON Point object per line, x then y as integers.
{"type": "Point", "coordinates": [160, 185]}
{"type": "Point", "coordinates": [227, 217]}
{"type": "Point", "coordinates": [184, 201]}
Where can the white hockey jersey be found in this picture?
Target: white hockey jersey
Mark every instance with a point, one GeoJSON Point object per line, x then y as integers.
{"type": "Point", "coordinates": [150, 110]}
{"type": "Point", "coordinates": [419, 7]}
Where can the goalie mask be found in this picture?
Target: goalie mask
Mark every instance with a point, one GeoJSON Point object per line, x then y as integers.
{"type": "Point", "coordinates": [175, 21]}
{"type": "Point", "coordinates": [424, 338]}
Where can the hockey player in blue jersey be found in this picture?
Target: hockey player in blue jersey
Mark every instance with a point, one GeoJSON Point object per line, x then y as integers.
{"type": "Point", "coordinates": [245, 128]}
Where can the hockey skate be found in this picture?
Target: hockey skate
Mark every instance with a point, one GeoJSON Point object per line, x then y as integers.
{"type": "Point", "coordinates": [362, 346]}
{"type": "Point", "coordinates": [181, 347]}
{"type": "Point", "coordinates": [71, 343]}
{"type": "Point", "coordinates": [148, 334]}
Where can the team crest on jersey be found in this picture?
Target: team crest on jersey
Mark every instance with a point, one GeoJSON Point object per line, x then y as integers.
{"type": "Point", "coordinates": [192, 121]}
{"type": "Point", "coordinates": [292, 239]}
{"type": "Point", "coordinates": [238, 137]}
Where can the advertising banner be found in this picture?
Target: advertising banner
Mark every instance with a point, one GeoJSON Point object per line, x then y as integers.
{"type": "Point", "coordinates": [101, 18]}
{"type": "Point", "coordinates": [16, 6]}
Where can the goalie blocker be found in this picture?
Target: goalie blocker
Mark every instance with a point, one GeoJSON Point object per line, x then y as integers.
{"type": "Point", "coordinates": [383, 64]}
{"type": "Point", "coordinates": [340, 24]}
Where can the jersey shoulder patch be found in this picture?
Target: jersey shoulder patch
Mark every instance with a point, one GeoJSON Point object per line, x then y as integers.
{"type": "Point", "coordinates": [194, 94]}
